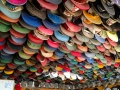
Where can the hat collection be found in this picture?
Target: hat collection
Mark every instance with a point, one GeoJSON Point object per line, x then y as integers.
{"type": "Point", "coordinates": [61, 41]}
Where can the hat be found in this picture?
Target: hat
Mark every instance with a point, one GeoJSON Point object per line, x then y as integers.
{"type": "Point", "coordinates": [94, 19]}
{"type": "Point", "coordinates": [18, 40]}
{"type": "Point", "coordinates": [100, 39]}
{"type": "Point", "coordinates": [82, 48]}
{"type": "Point", "coordinates": [108, 8]}
{"type": "Point", "coordinates": [47, 5]}
{"type": "Point", "coordinates": [112, 42]}
{"type": "Point", "coordinates": [51, 43]}
{"type": "Point", "coordinates": [72, 27]}
{"type": "Point", "coordinates": [12, 15]}
{"type": "Point", "coordinates": [95, 42]}
{"type": "Point", "coordinates": [102, 12]}
{"type": "Point", "coordinates": [41, 35]}
{"type": "Point", "coordinates": [4, 28]}
{"type": "Point", "coordinates": [100, 48]}
{"type": "Point", "coordinates": [66, 32]}
{"type": "Point", "coordinates": [60, 36]}
{"type": "Point", "coordinates": [7, 19]}
{"type": "Point", "coordinates": [42, 60]}
{"type": "Point", "coordinates": [34, 39]}
{"type": "Point", "coordinates": [34, 8]}
{"type": "Point", "coordinates": [70, 45]}
{"type": "Point", "coordinates": [112, 35]}
{"type": "Point", "coordinates": [23, 55]}
{"type": "Point", "coordinates": [70, 9]}
{"type": "Point", "coordinates": [45, 30]}
{"type": "Point", "coordinates": [19, 29]}
{"type": "Point", "coordinates": [25, 25]}
{"type": "Point", "coordinates": [30, 20]}
{"type": "Point", "coordinates": [7, 5]}
{"type": "Point", "coordinates": [87, 32]}
{"type": "Point", "coordinates": [17, 2]}
{"type": "Point", "coordinates": [55, 18]}
{"type": "Point", "coordinates": [45, 54]}
{"type": "Point", "coordinates": [81, 38]}
{"type": "Point", "coordinates": [82, 6]}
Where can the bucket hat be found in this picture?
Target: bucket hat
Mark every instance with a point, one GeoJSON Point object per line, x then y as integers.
{"type": "Point", "coordinates": [12, 15]}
